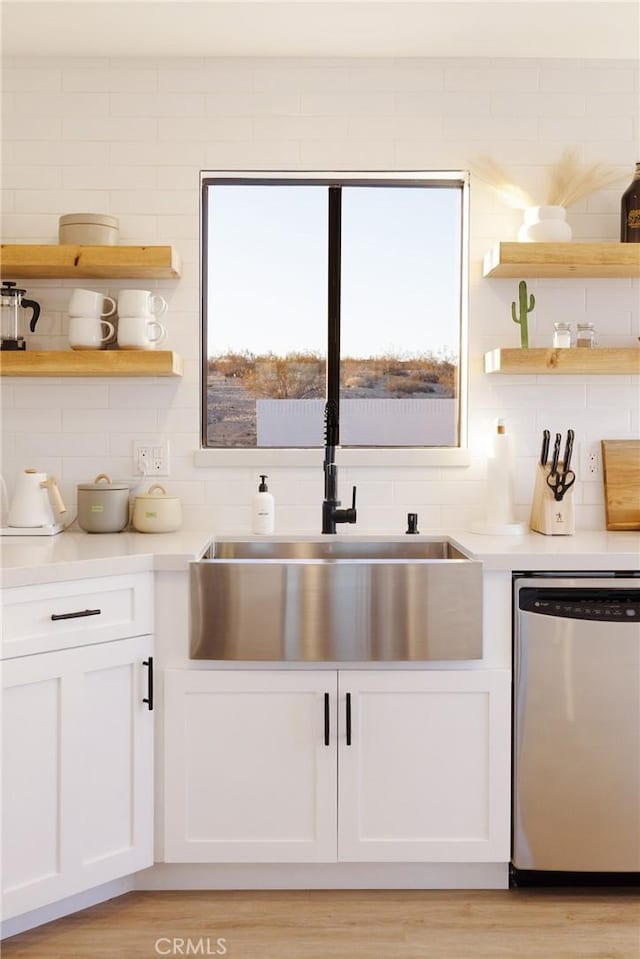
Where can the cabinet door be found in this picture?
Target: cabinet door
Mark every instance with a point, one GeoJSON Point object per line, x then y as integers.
{"type": "Point", "coordinates": [249, 774]}
{"type": "Point", "coordinates": [114, 750]}
{"type": "Point", "coordinates": [426, 774]}
{"type": "Point", "coordinates": [77, 789]}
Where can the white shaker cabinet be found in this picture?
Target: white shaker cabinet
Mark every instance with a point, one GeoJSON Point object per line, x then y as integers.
{"type": "Point", "coordinates": [250, 770]}
{"type": "Point", "coordinates": [77, 763]}
{"type": "Point", "coordinates": [412, 766]}
{"type": "Point", "coordinates": [423, 760]}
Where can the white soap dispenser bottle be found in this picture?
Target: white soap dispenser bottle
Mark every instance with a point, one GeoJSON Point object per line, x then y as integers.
{"type": "Point", "coordinates": [263, 509]}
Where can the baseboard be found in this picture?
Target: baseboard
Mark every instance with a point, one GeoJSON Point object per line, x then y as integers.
{"type": "Point", "coordinates": [185, 876]}
{"type": "Point", "coordinates": [346, 875]}
{"type": "Point", "coordinates": [65, 907]}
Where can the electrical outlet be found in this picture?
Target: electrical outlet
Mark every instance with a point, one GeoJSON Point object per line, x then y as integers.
{"type": "Point", "coordinates": [160, 460]}
{"type": "Point", "coordinates": [591, 462]}
{"type": "Point", "coordinates": [151, 459]}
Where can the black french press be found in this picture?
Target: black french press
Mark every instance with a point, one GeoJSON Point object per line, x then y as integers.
{"type": "Point", "coordinates": [11, 301]}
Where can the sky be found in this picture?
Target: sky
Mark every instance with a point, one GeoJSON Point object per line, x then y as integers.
{"type": "Point", "coordinates": [267, 269]}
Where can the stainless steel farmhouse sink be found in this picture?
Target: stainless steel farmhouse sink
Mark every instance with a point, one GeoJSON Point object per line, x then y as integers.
{"type": "Point", "coordinates": [336, 600]}
{"type": "Point", "coordinates": [332, 548]}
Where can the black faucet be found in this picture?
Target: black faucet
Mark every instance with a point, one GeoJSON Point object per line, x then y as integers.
{"type": "Point", "coordinates": [331, 514]}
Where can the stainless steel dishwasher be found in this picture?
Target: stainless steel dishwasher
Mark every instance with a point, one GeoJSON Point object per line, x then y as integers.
{"type": "Point", "coordinates": [576, 776]}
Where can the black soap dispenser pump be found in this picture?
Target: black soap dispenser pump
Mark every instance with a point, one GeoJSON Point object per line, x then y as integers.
{"type": "Point", "coordinates": [412, 523]}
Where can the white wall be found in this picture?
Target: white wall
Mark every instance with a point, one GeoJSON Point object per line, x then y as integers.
{"type": "Point", "coordinates": [129, 138]}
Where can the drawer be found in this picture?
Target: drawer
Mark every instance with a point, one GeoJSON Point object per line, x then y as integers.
{"type": "Point", "coordinates": [51, 616]}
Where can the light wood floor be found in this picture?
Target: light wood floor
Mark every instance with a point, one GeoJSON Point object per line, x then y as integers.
{"type": "Point", "coordinates": [531, 924]}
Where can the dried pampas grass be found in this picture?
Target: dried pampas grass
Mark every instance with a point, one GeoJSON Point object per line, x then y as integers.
{"type": "Point", "coordinates": [493, 174]}
{"type": "Point", "coordinates": [568, 181]}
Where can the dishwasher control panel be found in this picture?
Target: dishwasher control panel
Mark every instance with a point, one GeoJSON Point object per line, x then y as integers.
{"type": "Point", "coordinates": [610, 605]}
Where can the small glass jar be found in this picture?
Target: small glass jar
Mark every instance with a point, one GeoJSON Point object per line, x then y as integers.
{"type": "Point", "coordinates": [561, 335]}
{"type": "Point", "coordinates": [586, 335]}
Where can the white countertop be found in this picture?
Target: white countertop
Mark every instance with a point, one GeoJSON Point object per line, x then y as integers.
{"type": "Point", "coordinates": [26, 560]}
{"type": "Point", "coordinates": [584, 550]}
{"type": "Point", "coordinates": [78, 555]}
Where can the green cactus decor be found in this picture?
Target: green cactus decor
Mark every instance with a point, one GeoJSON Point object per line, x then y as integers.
{"type": "Point", "coordinates": [524, 311]}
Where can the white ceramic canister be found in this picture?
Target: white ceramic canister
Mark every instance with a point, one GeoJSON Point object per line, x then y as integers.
{"type": "Point", "coordinates": [156, 511]}
{"type": "Point", "coordinates": [89, 229]}
{"type": "Point", "coordinates": [103, 506]}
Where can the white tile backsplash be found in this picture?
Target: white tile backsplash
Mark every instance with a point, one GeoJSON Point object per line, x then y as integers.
{"type": "Point", "coordinates": [129, 137]}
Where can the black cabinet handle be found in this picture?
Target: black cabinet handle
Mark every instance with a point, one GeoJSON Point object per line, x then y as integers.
{"type": "Point", "coordinates": [348, 719]}
{"type": "Point", "coordinates": [149, 664]}
{"type": "Point", "coordinates": [78, 615]}
{"type": "Point", "coordinates": [326, 719]}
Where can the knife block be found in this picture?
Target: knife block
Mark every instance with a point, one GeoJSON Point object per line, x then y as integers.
{"type": "Point", "coordinates": [547, 515]}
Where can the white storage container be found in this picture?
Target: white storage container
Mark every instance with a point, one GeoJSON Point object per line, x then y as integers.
{"type": "Point", "coordinates": [157, 512]}
{"type": "Point", "coordinates": [88, 229]}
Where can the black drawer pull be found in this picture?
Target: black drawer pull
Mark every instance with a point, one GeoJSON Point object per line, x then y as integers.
{"type": "Point", "coordinates": [78, 615]}
{"type": "Point", "coordinates": [326, 719]}
{"type": "Point", "coordinates": [348, 719]}
{"type": "Point", "coordinates": [149, 664]}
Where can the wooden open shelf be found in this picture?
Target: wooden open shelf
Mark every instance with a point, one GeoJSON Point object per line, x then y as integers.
{"type": "Point", "coordinates": [91, 363]}
{"type": "Point", "coordinates": [523, 260]}
{"type": "Point", "coordinates": [34, 261]}
{"type": "Point", "coordinates": [566, 361]}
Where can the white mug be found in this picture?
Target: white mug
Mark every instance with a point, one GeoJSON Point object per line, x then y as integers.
{"type": "Point", "coordinates": [86, 303]}
{"type": "Point", "coordinates": [141, 303]}
{"type": "Point", "coordinates": [85, 333]}
{"type": "Point", "coordinates": [140, 333]}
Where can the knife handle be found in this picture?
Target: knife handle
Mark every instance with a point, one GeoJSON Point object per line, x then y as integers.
{"type": "Point", "coordinates": [568, 450]}
{"type": "Point", "coordinates": [556, 453]}
{"type": "Point", "coordinates": [544, 453]}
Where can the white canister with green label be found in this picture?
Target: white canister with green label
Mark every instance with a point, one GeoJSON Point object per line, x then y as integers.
{"type": "Point", "coordinates": [156, 511]}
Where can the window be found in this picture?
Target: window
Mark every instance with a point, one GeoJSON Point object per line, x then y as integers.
{"type": "Point", "coordinates": [318, 285]}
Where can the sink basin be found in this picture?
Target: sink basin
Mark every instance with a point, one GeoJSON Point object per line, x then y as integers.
{"type": "Point", "coordinates": [333, 549]}
{"type": "Point", "coordinates": [336, 600]}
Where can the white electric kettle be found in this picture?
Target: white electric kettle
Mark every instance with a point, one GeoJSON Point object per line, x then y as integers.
{"type": "Point", "coordinates": [33, 502]}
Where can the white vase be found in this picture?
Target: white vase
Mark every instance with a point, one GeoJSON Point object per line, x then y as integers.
{"type": "Point", "coordinates": [545, 224]}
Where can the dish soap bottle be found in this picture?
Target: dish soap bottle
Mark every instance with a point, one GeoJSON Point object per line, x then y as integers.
{"type": "Point", "coordinates": [263, 509]}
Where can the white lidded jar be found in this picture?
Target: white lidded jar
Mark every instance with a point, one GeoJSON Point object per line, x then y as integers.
{"type": "Point", "coordinates": [263, 509]}
{"type": "Point", "coordinates": [91, 229]}
{"type": "Point", "coordinates": [156, 511]}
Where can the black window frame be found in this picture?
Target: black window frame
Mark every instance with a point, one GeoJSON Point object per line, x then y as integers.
{"type": "Point", "coordinates": [334, 182]}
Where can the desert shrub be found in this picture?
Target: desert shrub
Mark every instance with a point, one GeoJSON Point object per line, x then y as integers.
{"type": "Point", "coordinates": [294, 376]}
{"type": "Point", "coordinates": [404, 374]}
{"type": "Point", "coordinates": [361, 382]}
{"type": "Point", "coordinates": [448, 377]}
{"type": "Point", "coordinates": [299, 375]}
{"type": "Point", "coordinates": [231, 364]}
{"type": "Point", "coordinates": [407, 387]}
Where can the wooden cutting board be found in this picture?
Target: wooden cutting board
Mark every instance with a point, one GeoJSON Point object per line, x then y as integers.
{"type": "Point", "coordinates": [621, 467]}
